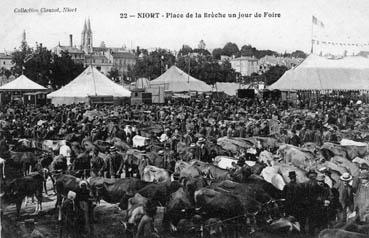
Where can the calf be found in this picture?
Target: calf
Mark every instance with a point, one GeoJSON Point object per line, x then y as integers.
{"type": "Point", "coordinates": [28, 186]}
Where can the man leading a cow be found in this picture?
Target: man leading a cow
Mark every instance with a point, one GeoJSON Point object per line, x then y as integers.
{"type": "Point", "coordinates": [293, 194]}
{"type": "Point", "coordinates": [97, 164]}
{"type": "Point", "coordinates": [346, 196]}
{"type": "Point", "coordinates": [114, 161]}
{"type": "Point", "coordinates": [318, 199]}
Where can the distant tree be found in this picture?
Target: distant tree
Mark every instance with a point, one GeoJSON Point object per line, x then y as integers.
{"type": "Point", "coordinates": [201, 51]}
{"type": "Point", "coordinates": [6, 72]}
{"type": "Point", "coordinates": [185, 50]}
{"type": "Point", "coordinates": [201, 45]}
{"type": "Point", "coordinates": [152, 65]}
{"type": "Point", "coordinates": [207, 69]}
{"type": "Point", "coordinates": [299, 54]}
{"type": "Point", "coordinates": [35, 64]}
{"type": "Point", "coordinates": [274, 73]}
{"type": "Point", "coordinates": [248, 50]}
{"type": "Point", "coordinates": [231, 49]}
{"type": "Point", "coordinates": [217, 52]}
{"type": "Point", "coordinates": [64, 69]}
{"type": "Point", "coordinates": [113, 74]}
{"type": "Point", "coordinates": [20, 56]}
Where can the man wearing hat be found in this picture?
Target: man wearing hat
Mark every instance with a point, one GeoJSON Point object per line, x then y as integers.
{"type": "Point", "coordinates": [190, 154]}
{"type": "Point", "coordinates": [346, 196]}
{"type": "Point", "coordinates": [319, 197]}
{"type": "Point", "coordinates": [84, 202]}
{"type": "Point", "coordinates": [361, 197]}
{"type": "Point", "coordinates": [114, 162]}
{"type": "Point", "coordinates": [169, 161]}
{"type": "Point", "coordinates": [202, 152]}
{"type": "Point", "coordinates": [363, 168]}
{"type": "Point", "coordinates": [292, 192]}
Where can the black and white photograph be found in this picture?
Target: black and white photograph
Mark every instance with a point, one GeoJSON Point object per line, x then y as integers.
{"type": "Point", "coordinates": [184, 118]}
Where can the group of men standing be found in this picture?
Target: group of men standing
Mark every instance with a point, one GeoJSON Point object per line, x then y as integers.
{"type": "Point", "coordinates": [315, 204]}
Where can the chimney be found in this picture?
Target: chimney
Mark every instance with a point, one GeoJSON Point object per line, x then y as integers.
{"type": "Point", "coordinates": [71, 40]}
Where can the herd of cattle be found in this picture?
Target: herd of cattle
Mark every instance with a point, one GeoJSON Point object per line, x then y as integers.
{"type": "Point", "coordinates": [210, 198]}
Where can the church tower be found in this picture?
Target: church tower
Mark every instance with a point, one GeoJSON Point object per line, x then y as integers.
{"type": "Point", "coordinates": [86, 39]}
{"type": "Point", "coordinates": [24, 41]}
{"type": "Point", "coordinates": [83, 34]}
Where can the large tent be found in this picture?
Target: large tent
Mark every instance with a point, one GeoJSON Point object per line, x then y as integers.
{"type": "Point", "coordinates": [321, 73]}
{"type": "Point", "coordinates": [89, 83]}
{"type": "Point", "coordinates": [22, 83]}
{"type": "Point", "coordinates": [175, 80]}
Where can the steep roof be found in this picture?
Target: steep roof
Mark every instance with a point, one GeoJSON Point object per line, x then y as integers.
{"type": "Point", "coordinates": [22, 83]}
{"type": "Point", "coordinates": [176, 80]}
{"type": "Point", "coordinates": [71, 49]}
{"type": "Point", "coordinates": [320, 73]}
{"type": "Point", "coordinates": [91, 83]}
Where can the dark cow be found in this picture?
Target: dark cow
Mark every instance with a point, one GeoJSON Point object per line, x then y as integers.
{"type": "Point", "coordinates": [180, 206]}
{"type": "Point", "coordinates": [116, 190]}
{"type": "Point", "coordinates": [20, 188]}
{"type": "Point", "coordinates": [63, 184]}
{"type": "Point", "coordinates": [23, 161]}
{"type": "Point", "coordinates": [218, 204]}
{"type": "Point", "coordinates": [43, 166]}
{"type": "Point", "coordinates": [338, 233]}
{"type": "Point", "coordinates": [159, 193]}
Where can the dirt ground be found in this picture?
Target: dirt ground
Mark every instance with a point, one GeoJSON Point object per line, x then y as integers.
{"type": "Point", "coordinates": [108, 223]}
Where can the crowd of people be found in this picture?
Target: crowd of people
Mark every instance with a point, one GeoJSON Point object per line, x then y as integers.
{"type": "Point", "coordinates": [196, 124]}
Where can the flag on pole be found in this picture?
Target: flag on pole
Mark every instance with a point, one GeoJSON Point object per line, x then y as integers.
{"type": "Point", "coordinates": [317, 22]}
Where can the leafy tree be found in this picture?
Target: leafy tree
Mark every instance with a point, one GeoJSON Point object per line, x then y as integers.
{"type": "Point", "coordinates": [274, 73]}
{"type": "Point", "coordinates": [217, 52]}
{"type": "Point", "coordinates": [19, 56]}
{"type": "Point", "coordinates": [185, 50]}
{"type": "Point", "coordinates": [298, 54]}
{"type": "Point", "coordinates": [248, 50]}
{"type": "Point", "coordinates": [153, 65]}
{"type": "Point", "coordinates": [113, 74]}
{"type": "Point", "coordinates": [231, 49]}
{"type": "Point", "coordinates": [64, 69]}
{"type": "Point", "coordinates": [201, 51]}
{"type": "Point", "coordinates": [6, 72]}
{"type": "Point", "coordinates": [207, 69]}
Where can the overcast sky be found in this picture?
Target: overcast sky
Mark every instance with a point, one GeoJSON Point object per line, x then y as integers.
{"type": "Point", "coordinates": [346, 20]}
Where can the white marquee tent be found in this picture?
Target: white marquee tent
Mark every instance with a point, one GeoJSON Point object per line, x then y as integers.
{"type": "Point", "coordinates": [22, 83]}
{"type": "Point", "coordinates": [175, 80]}
{"type": "Point", "coordinates": [89, 83]}
{"type": "Point", "coordinates": [321, 73]}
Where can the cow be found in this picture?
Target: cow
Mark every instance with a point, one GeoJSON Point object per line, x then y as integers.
{"type": "Point", "coordinates": [43, 167]}
{"type": "Point", "coordinates": [116, 190]}
{"type": "Point", "coordinates": [211, 171]}
{"type": "Point", "coordinates": [23, 161]}
{"type": "Point", "coordinates": [180, 205]}
{"type": "Point", "coordinates": [296, 156]}
{"type": "Point", "coordinates": [218, 204]}
{"type": "Point", "coordinates": [81, 165]}
{"type": "Point", "coordinates": [63, 184]}
{"type": "Point", "coordinates": [339, 233]}
{"type": "Point", "coordinates": [20, 188]}
{"type": "Point", "coordinates": [155, 174]}
{"type": "Point", "coordinates": [159, 193]}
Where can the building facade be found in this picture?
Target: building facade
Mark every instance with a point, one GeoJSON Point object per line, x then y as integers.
{"type": "Point", "coordinates": [103, 58]}
{"type": "Point", "coordinates": [6, 61]}
{"type": "Point", "coordinates": [245, 65]}
{"type": "Point", "coordinates": [77, 55]}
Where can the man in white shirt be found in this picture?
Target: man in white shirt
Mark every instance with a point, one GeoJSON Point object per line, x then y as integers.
{"type": "Point", "coordinates": [65, 151]}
